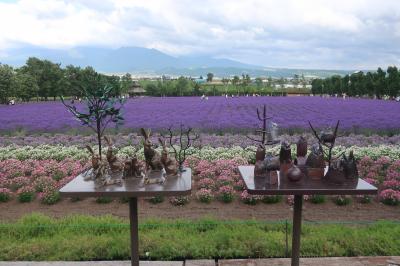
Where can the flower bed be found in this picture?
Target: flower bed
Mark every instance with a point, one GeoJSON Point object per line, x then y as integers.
{"type": "Point", "coordinates": [43, 178]}
{"type": "Point", "coordinates": [59, 152]}
{"type": "Point", "coordinates": [213, 179]}
{"type": "Point", "coordinates": [225, 140]}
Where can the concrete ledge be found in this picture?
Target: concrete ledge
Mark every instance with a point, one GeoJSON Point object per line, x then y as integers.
{"type": "Point", "coordinates": [334, 261]}
{"type": "Point", "coordinates": [200, 263]}
{"type": "Point", "coordinates": [90, 263]}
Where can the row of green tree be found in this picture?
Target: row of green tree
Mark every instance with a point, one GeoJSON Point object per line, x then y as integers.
{"type": "Point", "coordinates": [43, 79]}
{"type": "Point", "coordinates": [188, 87]}
{"type": "Point", "coordinates": [372, 84]}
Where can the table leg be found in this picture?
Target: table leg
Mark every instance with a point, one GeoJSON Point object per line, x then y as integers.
{"type": "Point", "coordinates": [133, 219]}
{"type": "Point", "coordinates": [298, 202]}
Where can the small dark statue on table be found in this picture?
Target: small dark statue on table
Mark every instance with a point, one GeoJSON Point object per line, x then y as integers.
{"type": "Point", "coordinates": [266, 164]}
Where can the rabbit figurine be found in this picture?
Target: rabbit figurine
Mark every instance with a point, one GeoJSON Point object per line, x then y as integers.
{"type": "Point", "coordinates": [116, 164]}
{"type": "Point", "coordinates": [170, 164]}
{"type": "Point", "coordinates": [152, 157]}
{"type": "Point", "coordinates": [132, 168]}
{"type": "Point", "coordinates": [99, 166]}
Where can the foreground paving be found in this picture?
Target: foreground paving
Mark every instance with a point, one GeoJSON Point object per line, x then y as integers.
{"type": "Point", "coordinates": [336, 261]}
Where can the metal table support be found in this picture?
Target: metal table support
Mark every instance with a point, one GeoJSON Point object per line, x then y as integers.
{"type": "Point", "coordinates": [132, 188]}
{"type": "Point", "coordinates": [296, 231]}
{"type": "Point", "coordinates": [133, 220]}
{"type": "Point", "coordinates": [307, 186]}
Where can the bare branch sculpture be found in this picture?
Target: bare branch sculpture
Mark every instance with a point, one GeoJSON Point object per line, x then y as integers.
{"type": "Point", "coordinates": [185, 139]}
{"type": "Point", "coordinates": [267, 134]}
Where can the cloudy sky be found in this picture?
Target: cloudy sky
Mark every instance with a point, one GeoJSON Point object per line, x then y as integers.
{"type": "Point", "coordinates": [348, 34]}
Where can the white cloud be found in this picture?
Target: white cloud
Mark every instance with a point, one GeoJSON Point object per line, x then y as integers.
{"type": "Point", "coordinates": [286, 33]}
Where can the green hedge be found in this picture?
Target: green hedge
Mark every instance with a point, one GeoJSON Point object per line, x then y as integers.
{"type": "Point", "coordinates": [37, 237]}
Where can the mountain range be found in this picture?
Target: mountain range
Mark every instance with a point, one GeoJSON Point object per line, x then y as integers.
{"type": "Point", "coordinates": [139, 60]}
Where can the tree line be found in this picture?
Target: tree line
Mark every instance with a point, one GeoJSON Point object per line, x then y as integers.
{"type": "Point", "coordinates": [237, 85]}
{"type": "Point", "coordinates": [42, 80]}
{"type": "Point", "coordinates": [372, 84]}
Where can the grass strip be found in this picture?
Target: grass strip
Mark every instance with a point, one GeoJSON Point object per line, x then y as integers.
{"type": "Point", "coordinates": [38, 237]}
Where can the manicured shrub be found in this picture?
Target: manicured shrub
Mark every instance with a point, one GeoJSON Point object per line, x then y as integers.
{"type": "Point", "coordinates": [58, 175]}
{"type": "Point", "coordinates": [42, 182]}
{"type": "Point", "coordinates": [18, 182]}
{"type": "Point", "coordinates": [342, 200]}
{"type": "Point", "coordinates": [365, 198]}
{"type": "Point", "coordinates": [179, 201]}
{"type": "Point", "coordinates": [390, 197]}
{"type": "Point", "coordinates": [5, 194]}
{"type": "Point", "coordinates": [26, 194]}
{"type": "Point", "coordinates": [226, 194]}
{"type": "Point", "coordinates": [271, 199]}
{"type": "Point", "coordinates": [204, 195]}
{"type": "Point", "coordinates": [104, 200]}
{"type": "Point", "coordinates": [238, 185]}
{"type": "Point", "coordinates": [50, 195]}
{"type": "Point", "coordinates": [246, 198]}
{"type": "Point", "coordinates": [156, 199]}
{"type": "Point", "coordinates": [224, 180]}
{"type": "Point", "coordinates": [206, 183]}
{"type": "Point", "coordinates": [317, 199]}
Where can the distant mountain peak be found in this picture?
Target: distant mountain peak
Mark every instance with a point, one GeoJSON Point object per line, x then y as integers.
{"type": "Point", "coordinates": [148, 60]}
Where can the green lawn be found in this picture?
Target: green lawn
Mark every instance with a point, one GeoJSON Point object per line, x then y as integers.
{"type": "Point", "coordinates": [37, 237]}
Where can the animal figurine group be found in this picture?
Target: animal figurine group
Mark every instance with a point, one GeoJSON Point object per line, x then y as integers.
{"type": "Point", "coordinates": [112, 169]}
{"type": "Point", "coordinates": [312, 166]}
{"type": "Point", "coordinates": [156, 164]}
{"type": "Point", "coordinates": [101, 170]}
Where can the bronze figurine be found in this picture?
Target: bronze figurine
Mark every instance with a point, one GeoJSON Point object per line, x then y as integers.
{"type": "Point", "coordinates": [152, 157]}
{"type": "Point", "coordinates": [115, 163]}
{"type": "Point", "coordinates": [169, 163]}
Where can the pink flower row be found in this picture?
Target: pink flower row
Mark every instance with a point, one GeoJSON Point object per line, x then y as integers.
{"type": "Point", "coordinates": [41, 177]}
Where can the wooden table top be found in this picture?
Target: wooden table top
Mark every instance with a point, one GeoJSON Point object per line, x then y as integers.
{"type": "Point", "coordinates": [306, 186]}
{"type": "Point", "coordinates": [132, 187]}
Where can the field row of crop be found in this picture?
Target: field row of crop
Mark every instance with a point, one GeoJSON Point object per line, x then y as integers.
{"type": "Point", "coordinates": [217, 114]}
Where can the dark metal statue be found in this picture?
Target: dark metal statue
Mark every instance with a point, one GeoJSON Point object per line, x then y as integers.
{"type": "Point", "coordinates": [326, 139]}
{"type": "Point", "coordinates": [350, 166]}
{"type": "Point", "coordinates": [285, 158]}
{"type": "Point", "coordinates": [268, 132]}
{"type": "Point", "coordinates": [285, 153]}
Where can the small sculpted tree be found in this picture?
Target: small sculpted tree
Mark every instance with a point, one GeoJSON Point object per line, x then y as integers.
{"type": "Point", "coordinates": [184, 139]}
{"type": "Point", "coordinates": [101, 110]}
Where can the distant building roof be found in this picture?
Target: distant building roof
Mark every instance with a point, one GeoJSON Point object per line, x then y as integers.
{"type": "Point", "coordinates": [136, 89]}
{"type": "Point", "coordinates": [200, 81]}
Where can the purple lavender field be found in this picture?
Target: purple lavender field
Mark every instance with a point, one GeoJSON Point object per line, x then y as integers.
{"type": "Point", "coordinates": [218, 113]}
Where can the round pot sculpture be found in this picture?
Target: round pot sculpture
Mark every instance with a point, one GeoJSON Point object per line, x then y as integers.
{"type": "Point", "coordinates": [294, 174]}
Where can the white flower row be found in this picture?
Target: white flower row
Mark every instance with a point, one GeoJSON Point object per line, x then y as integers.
{"type": "Point", "coordinates": [58, 152]}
